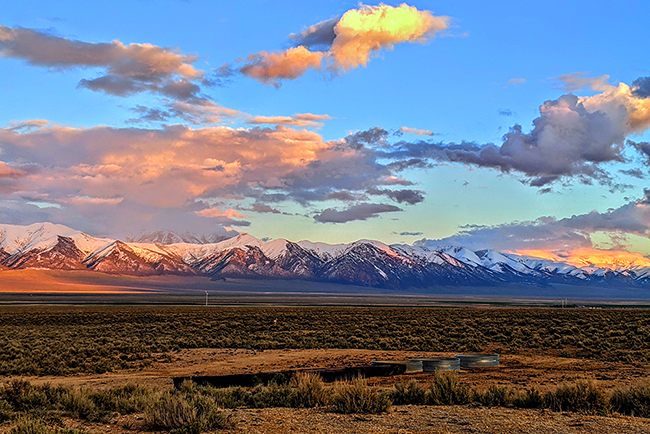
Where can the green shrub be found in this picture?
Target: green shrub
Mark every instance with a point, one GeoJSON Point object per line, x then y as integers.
{"type": "Point", "coordinates": [357, 397]}
{"type": "Point", "coordinates": [497, 396]}
{"type": "Point", "coordinates": [446, 389]}
{"type": "Point", "coordinates": [633, 401]}
{"type": "Point", "coordinates": [308, 391]}
{"type": "Point", "coordinates": [408, 393]}
{"type": "Point", "coordinates": [582, 397]}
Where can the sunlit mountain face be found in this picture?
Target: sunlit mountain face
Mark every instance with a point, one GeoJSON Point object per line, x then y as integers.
{"type": "Point", "coordinates": [367, 263]}
{"type": "Point", "coordinates": [167, 132]}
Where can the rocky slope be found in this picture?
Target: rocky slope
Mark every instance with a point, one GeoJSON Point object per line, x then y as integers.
{"type": "Point", "coordinates": [364, 262]}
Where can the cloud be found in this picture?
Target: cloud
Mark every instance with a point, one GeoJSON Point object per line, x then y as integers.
{"type": "Point", "coordinates": [264, 208]}
{"type": "Point", "coordinates": [581, 80]}
{"type": "Point", "coordinates": [298, 120]}
{"type": "Point", "coordinates": [320, 35]}
{"type": "Point", "coordinates": [269, 67]}
{"type": "Point", "coordinates": [416, 131]}
{"type": "Point", "coordinates": [401, 196]}
{"type": "Point", "coordinates": [124, 70]}
{"type": "Point", "coordinates": [214, 213]}
{"type": "Point", "coordinates": [551, 234]}
{"type": "Point", "coordinates": [363, 211]}
{"type": "Point", "coordinates": [349, 42]}
{"type": "Point", "coordinates": [124, 180]}
{"type": "Point", "coordinates": [505, 112]}
{"type": "Point", "coordinates": [516, 81]}
{"type": "Point", "coordinates": [572, 138]}
{"type": "Point", "coordinates": [410, 234]}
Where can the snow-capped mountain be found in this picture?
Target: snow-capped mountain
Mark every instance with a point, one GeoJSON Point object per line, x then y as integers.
{"type": "Point", "coordinates": [364, 262]}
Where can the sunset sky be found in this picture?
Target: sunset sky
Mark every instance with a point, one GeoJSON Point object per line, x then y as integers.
{"type": "Point", "coordinates": [521, 126]}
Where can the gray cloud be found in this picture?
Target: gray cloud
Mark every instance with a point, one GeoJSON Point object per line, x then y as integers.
{"type": "Point", "coordinates": [401, 196]}
{"type": "Point", "coordinates": [319, 35]}
{"type": "Point", "coordinates": [572, 138]}
{"type": "Point", "coordinates": [554, 234]}
{"type": "Point", "coordinates": [505, 112]}
{"type": "Point", "coordinates": [641, 87]}
{"type": "Point", "coordinates": [363, 211]}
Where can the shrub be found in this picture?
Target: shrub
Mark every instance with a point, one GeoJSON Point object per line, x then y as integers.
{"type": "Point", "coordinates": [79, 405]}
{"type": "Point", "coordinates": [497, 396]}
{"type": "Point", "coordinates": [408, 393]}
{"type": "Point", "coordinates": [633, 401]}
{"type": "Point", "coordinates": [127, 399]}
{"type": "Point", "coordinates": [529, 399]}
{"type": "Point", "coordinates": [6, 411]}
{"type": "Point", "coordinates": [272, 396]}
{"type": "Point", "coordinates": [37, 426]}
{"type": "Point", "coordinates": [357, 397]}
{"type": "Point", "coordinates": [186, 415]}
{"type": "Point", "coordinates": [309, 391]}
{"type": "Point", "coordinates": [446, 389]}
{"type": "Point", "coordinates": [582, 396]}
{"type": "Point", "coordinates": [31, 426]}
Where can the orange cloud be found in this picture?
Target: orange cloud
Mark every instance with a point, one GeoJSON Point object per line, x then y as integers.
{"type": "Point", "coordinates": [298, 120]}
{"type": "Point", "coordinates": [416, 131]}
{"type": "Point", "coordinates": [588, 257]}
{"type": "Point", "coordinates": [290, 64]}
{"type": "Point", "coordinates": [352, 40]}
{"type": "Point", "coordinates": [361, 32]}
{"type": "Point", "coordinates": [214, 213]}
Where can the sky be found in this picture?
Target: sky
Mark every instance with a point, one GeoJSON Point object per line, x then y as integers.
{"type": "Point", "coordinates": [520, 126]}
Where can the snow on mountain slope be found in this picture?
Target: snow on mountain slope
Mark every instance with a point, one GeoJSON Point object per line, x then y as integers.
{"type": "Point", "coordinates": [43, 236]}
{"type": "Point", "coordinates": [364, 262]}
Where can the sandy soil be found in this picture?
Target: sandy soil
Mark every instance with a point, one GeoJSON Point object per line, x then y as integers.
{"type": "Point", "coordinates": [519, 371]}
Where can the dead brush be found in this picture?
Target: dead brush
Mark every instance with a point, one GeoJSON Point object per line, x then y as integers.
{"type": "Point", "coordinates": [446, 389]}
{"type": "Point", "coordinates": [357, 396]}
{"type": "Point", "coordinates": [632, 401]}
{"type": "Point", "coordinates": [186, 415]}
{"type": "Point", "coordinates": [581, 397]}
{"type": "Point", "coordinates": [308, 391]}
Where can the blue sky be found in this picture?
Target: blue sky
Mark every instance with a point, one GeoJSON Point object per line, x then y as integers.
{"type": "Point", "coordinates": [492, 68]}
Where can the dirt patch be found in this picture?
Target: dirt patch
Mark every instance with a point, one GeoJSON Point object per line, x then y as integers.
{"type": "Point", "coordinates": [518, 371]}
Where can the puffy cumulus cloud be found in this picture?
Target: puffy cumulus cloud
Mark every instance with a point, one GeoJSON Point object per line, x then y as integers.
{"type": "Point", "coordinates": [362, 211]}
{"type": "Point", "coordinates": [549, 234]}
{"type": "Point", "coordinates": [298, 120]}
{"type": "Point", "coordinates": [346, 43]}
{"type": "Point", "coordinates": [320, 35]}
{"type": "Point", "coordinates": [269, 67]}
{"type": "Point", "coordinates": [364, 31]}
{"type": "Point", "coordinates": [573, 137]}
{"type": "Point", "coordinates": [110, 178]}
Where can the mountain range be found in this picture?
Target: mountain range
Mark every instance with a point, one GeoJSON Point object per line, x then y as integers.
{"type": "Point", "coordinates": [364, 262]}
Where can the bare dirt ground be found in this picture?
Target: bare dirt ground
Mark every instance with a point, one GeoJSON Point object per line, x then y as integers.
{"type": "Point", "coordinates": [518, 371]}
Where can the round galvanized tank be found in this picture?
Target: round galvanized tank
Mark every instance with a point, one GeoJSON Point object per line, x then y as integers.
{"type": "Point", "coordinates": [440, 364]}
{"type": "Point", "coordinates": [478, 360]}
